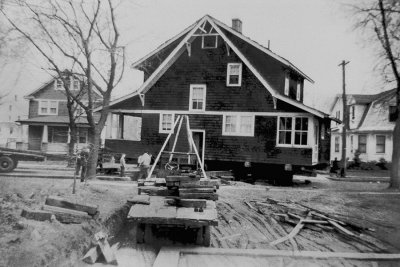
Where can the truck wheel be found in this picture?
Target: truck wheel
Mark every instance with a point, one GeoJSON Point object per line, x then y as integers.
{"type": "Point", "coordinates": [6, 164]}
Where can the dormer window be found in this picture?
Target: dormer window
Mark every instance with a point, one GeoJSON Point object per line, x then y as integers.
{"type": "Point", "coordinates": [209, 41]}
{"type": "Point", "coordinates": [74, 84]}
{"type": "Point", "coordinates": [287, 80]}
{"type": "Point", "coordinates": [298, 91]}
{"type": "Point", "coordinates": [58, 84]}
{"type": "Point", "coordinates": [234, 74]}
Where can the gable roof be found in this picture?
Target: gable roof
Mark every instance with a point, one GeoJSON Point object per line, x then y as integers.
{"type": "Point", "coordinates": [222, 30]}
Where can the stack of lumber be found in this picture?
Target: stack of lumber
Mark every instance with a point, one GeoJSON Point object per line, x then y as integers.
{"type": "Point", "coordinates": [198, 190]}
{"type": "Point", "coordinates": [63, 210]}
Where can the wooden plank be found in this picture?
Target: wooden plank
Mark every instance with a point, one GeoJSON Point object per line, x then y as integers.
{"type": "Point", "coordinates": [140, 199]}
{"type": "Point", "coordinates": [63, 203]}
{"type": "Point", "coordinates": [92, 255]}
{"type": "Point", "coordinates": [192, 203]}
{"type": "Point", "coordinates": [181, 178]}
{"type": "Point", "coordinates": [105, 248]}
{"type": "Point", "coordinates": [195, 185]}
{"type": "Point", "coordinates": [207, 236]}
{"type": "Point", "coordinates": [38, 215]}
{"type": "Point", "coordinates": [284, 253]}
{"type": "Point", "coordinates": [341, 228]}
{"type": "Point", "coordinates": [167, 257]}
{"type": "Point", "coordinates": [67, 215]}
{"type": "Point", "coordinates": [294, 232]}
{"type": "Point", "coordinates": [210, 196]}
{"type": "Point", "coordinates": [196, 190]}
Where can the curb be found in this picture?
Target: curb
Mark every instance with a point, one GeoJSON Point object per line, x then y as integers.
{"type": "Point", "coordinates": [361, 179]}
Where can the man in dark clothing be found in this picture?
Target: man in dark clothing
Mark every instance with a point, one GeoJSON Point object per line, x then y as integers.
{"type": "Point", "coordinates": [335, 166]}
{"type": "Point", "coordinates": [81, 163]}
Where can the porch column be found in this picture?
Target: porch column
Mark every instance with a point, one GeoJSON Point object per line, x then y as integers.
{"type": "Point", "coordinates": [108, 132]}
{"type": "Point", "coordinates": [45, 135]}
{"type": "Point", "coordinates": [69, 136]}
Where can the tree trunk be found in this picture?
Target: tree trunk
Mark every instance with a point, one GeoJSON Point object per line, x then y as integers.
{"type": "Point", "coordinates": [94, 140]}
{"type": "Point", "coordinates": [395, 169]}
{"type": "Point", "coordinates": [71, 145]}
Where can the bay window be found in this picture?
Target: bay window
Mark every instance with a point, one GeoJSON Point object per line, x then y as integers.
{"type": "Point", "coordinates": [293, 131]}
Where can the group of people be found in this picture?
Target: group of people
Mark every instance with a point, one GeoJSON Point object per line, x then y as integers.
{"type": "Point", "coordinates": [144, 162]}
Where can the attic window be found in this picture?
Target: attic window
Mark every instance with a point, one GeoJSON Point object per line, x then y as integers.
{"type": "Point", "coordinates": [209, 41]}
{"type": "Point", "coordinates": [298, 91]}
{"type": "Point", "coordinates": [58, 84]}
{"type": "Point", "coordinates": [234, 74]}
{"type": "Point", "coordinates": [287, 80]}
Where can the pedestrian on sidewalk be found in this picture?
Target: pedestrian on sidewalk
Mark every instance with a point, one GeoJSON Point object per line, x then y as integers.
{"type": "Point", "coordinates": [81, 163]}
{"type": "Point", "coordinates": [122, 165]}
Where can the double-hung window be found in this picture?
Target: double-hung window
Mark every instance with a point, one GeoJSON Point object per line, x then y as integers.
{"type": "Point", "coordinates": [292, 131]}
{"type": "Point", "coordinates": [362, 143]}
{"type": "Point", "coordinates": [197, 97]}
{"type": "Point", "coordinates": [58, 84]}
{"type": "Point", "coordinates": [380, 143]}
{"type": "Point", "coordinates": [337, 143]}
{"type": "Point", "coordinates": [238, 125]}
{"type": "Point", "coordinates": [48, 107]}
{"type": "Point", "coordinates": [166, 122]}
{"type": "Point", "coordinates": [234, 74]}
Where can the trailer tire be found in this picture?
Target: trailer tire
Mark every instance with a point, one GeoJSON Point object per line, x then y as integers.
{"type": "Point", "coordinates": [7, 164]}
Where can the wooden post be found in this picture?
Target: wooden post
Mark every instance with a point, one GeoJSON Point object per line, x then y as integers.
{"type": "Point", "coordinates": [194, 145]}
{"type": "Point", "coordinates": [345, 120]}
{"type": "Point", "coordinates": [162, 149]}
{"type": "Point", "coordinates": [176, 139]}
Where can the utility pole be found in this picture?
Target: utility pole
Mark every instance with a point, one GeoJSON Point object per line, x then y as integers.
{"type": "Point", "coordinates": [345, 120]}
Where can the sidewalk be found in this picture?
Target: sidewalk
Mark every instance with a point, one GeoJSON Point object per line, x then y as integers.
{"type": "Point", "coordinates": [44, 165]}
{"type": "Point", "coordinates": [360, 179]}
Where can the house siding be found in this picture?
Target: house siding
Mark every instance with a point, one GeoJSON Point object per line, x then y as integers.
{"type": "Point", "coordinates": [261, 148]}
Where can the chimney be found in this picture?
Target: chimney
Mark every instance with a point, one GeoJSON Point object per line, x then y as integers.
{"type": "Point", "coordinates": [237, 25]}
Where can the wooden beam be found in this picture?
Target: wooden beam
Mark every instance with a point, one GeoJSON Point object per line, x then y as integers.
{"type": "Point", "coordinates": [92, 255]}
{"type": "Point", "coordinates": [63, 203]}
{"type": "Point", "coordinates": [282, 253]}
{"type": "Point", "coordinates": [67, 215]}
{"type": "Point", "coordinates": [176, 137]}
{"type": "Point", "coordinates": [162, 148]}
{"type": "Point", "coordinates": [38, 215]}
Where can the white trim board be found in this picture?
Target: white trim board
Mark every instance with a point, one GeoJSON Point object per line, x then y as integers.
{"type": "Point", "coordinates": [216, 113]}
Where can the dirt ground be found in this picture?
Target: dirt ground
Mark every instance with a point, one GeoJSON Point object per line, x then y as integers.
{"type": "Point", "coordinates": [30, 243]}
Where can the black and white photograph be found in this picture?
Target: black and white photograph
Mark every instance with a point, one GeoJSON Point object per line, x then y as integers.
{"type": "Point", "coordinates": [213, 133]}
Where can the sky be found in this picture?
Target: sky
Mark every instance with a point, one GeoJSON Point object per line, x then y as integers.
{"type": "Point", "coordinates": [315, 35]}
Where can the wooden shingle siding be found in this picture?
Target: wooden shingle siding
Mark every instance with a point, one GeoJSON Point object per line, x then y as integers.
{"type": "Point", "coordinates": [259, 149]}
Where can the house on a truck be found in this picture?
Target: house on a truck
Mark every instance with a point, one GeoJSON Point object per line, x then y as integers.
{"type": "Point", "coordinates": [244, 102]}
{"type": "Point", "coordinates": [48, 119]}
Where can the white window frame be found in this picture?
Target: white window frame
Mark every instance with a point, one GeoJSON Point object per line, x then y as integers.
{"type": "Point", "coordinates": [228, 68]}
{"type": "Point", "coordinates": [237, 131]}
{"type": "Point", "coordinates": [293, 131]}
{"type": "Point", "coordinates": [56, 85]}
{"type": "Point", "coordinates": [192, 86]}
{"type": "Point", "coordinates": [48, 107]}
{"type": "Point", "coordinates": [72, 82]}
{"type": "Point", "coordinates": [161, 130]}
{"type": "Point", "coordinates": [287, 81]}
{"type": "Point", "coordinates": [298, 91]}
{"type": "Point", "coordinates": [209, 47]}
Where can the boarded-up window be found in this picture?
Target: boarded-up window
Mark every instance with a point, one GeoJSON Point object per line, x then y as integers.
{"type": "Point", "coordinates": [132, 128]}
{"type": "Point", "coordinates": [380, 143]}
{"type": "Point", "coordinates": [362, 143]}
{"type": "Point", "coordinates": [57, 134]}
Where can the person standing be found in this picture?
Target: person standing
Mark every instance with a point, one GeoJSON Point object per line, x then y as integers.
{"type": "Point", "coordinates": [122, 164]}
{"type": "Point", "coordinates": [81, 162]}
{"type": "Point", "coordinates": [144, 164]}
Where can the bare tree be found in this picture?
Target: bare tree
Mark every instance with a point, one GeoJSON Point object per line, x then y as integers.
{"type": "Point", "coordinates": [80, 36]}
{"type": "Point", "coordinates": [381, 18]}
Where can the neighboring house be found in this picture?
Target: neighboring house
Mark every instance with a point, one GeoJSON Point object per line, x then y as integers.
{"type": "Point", "coordinates": [48, 120]}
{"type": "Point", "coordinates": [245, 103]}
{"type": "Point", "coordinates": [371, 123]}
